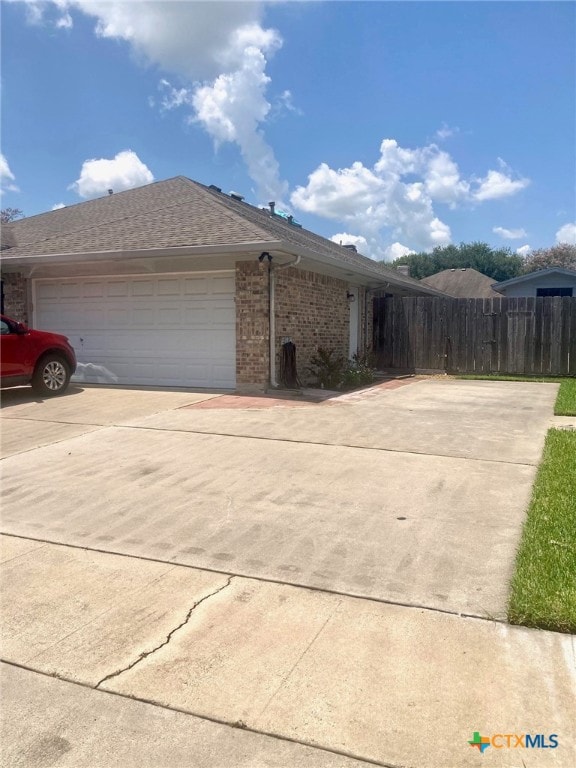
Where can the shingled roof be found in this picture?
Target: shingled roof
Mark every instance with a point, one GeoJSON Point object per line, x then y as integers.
{"type": "Point", "coordinates": [463, 283]}
{"type": "Point", "coordinates": [177, 213]}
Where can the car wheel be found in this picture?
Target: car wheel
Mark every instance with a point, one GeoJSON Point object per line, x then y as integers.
{"type": "Point", "coordinates": [51, 376]}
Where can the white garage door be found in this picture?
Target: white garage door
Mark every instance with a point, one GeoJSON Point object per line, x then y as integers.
{"type": "Point", "coordinates": [165, 330]}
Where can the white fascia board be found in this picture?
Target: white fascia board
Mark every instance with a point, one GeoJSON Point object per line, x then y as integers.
{"type": "Point", "coordinates": [144, 253]}
{"type": "Point", "coordinates": [537, 274]}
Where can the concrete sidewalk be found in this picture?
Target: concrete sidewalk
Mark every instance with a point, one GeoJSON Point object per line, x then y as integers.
{"type": "Point", "coordinates": [49, 722]}
{"type": "Point", "coordinates": [378, 682]}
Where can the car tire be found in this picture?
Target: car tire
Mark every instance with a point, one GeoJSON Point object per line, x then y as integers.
{"type": "Point", "coordinates": [51, 376]}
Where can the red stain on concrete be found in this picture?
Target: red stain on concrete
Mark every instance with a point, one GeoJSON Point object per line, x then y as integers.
{"type": "Point", "coordinates": [259, 402]}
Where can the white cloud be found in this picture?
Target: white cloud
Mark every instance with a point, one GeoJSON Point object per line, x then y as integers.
{"type": "Point", "coordinates": [510, 234]}
{"type": "Point", "coordinates": [371, 200]}
{"type": "Point", "coordinates": [396, 250]}
{"type": "Point", "coordinates": [524, 250]}
{"type": "Point", "coordinates": [372, 247]}
{"type": "Point", "coordinates": [57, 206]}
{"type": "Point", "coordinates": [195, 40]}
{"type": "Point", "coordinates": [285, 102]}
{"type": "Point", "coordinates": [64, 21]}
{"type": "Point", "coordinates": [346, 194]}
{"type": "Point", "coordinates": [446, 132]}
{"type": "Point", "coordinates": [124, 171]}
{"type": "Point", "coordinates": [53, 13]}
{"type": "Point", "coordinates": [172, 97]}
{"type": "Point", "coordinates": [567, 234]}
{"type": "Point", "coordinates": [6, 177]}
{"type": "Point", "coordinates": [396, 198]}
{"type": "Point", "coordinates": [219, 50]}
{"type": "Point", "coordinates": [5, 172]}
{"type": "Point", "coordinates": [442, 178]}
{"type": "Point", "coordinates": [344, 238]}
{"type": "Point", "coordinates": [498, 184]}
{"type": "Point", "coordinates": [232, 108]}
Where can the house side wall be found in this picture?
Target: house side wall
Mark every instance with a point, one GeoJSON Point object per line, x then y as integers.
{"type": "Point", "coordinates": [545, 281]}
{"type": "Point", "coordinates": [15, 287]}
{"type": "Point", "coordinates": [311, 310]}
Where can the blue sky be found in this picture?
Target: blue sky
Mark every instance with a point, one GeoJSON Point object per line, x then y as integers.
{"type": "Point", "coordinates": [393, 125]}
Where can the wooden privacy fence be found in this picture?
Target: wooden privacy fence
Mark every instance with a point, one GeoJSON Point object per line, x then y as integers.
{"type": "Point", "coordinates": [520, 335]}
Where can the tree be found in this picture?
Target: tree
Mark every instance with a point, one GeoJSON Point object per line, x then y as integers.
{"type": "Point", "coordinates": [10, 214]}
{"type": "Point", "coordinates": [561, 255]}
{"type": "Point", "coordinates": [499, 264]}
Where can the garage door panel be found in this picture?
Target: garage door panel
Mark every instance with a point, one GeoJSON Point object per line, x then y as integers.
{"type": "Point", "coordinates": [93, 291]}
{"type": "Point", "coordinates": [169, 287]}
{"type": "Point", "coordinates": [47, 291]}
{"type": "Point", "coordinates": [170, 331]}
{"type": "Point", "coordinates": [70, 291]}
{"type": "Point", "coordinates": [195, 286]}
{"type": "Point", "coordinates": [118, 289]}
{"type": "Point", "coordinates": [169, 316]}
{"type": "Point", "coordinates": [224, 315]}
{"type": "Point", "coordinates": [118, 317]}
{"type": "Point", "coordinates": [142, 288]}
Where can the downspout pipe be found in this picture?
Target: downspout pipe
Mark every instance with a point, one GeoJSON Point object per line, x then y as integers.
{"type": "Point", "coordinates": [272, 314]}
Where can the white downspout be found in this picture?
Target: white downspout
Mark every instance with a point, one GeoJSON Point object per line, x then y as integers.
{"type": "Point", "coordinates": [272, 318]}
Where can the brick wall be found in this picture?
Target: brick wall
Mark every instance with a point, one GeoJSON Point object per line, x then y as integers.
{"type": "Point", "coordinates": [15, 296]}
{"type": "Point", "coordinates": [252, 340]}
{"type": "Point", "coordinates": [313, 311]}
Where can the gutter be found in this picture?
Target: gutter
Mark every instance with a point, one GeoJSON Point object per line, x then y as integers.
{"type": "Point", "coordinates": [142, 253]}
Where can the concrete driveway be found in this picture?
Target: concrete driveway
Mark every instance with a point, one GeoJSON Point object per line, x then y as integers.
{"type": "Point", "coordinates": [274, 586]}
{"type": "Point", "coordinates": [413, 495]}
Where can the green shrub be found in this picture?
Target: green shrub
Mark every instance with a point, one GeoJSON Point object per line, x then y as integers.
{"type": "Point", "coordinates": [332, 371]}
{"type": "Point", "coordinates": [327, 368]}
{"type": "Point", "coordinates": [357, 372]}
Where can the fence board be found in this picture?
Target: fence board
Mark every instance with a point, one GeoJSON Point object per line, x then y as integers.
{"type": "Point", "coordinates": [517, 335]}
{"type": "Point", "coordinates": [572, 347]}
{"type": "Point", "coordinates": [546, 335]}
{"type": "Point", "coordinates": [564, 337]}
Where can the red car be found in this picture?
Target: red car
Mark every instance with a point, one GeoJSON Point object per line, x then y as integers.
{"type": "Point", "coordinates": [45, 360]}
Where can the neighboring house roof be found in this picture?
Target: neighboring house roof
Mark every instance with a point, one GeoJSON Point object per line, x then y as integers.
{"type": "Point", "coordinates": [463, 283]}
{"type": "Point", "coordinates": [179, 214]}
{"type": "Point", "coordinates": [535, 276]}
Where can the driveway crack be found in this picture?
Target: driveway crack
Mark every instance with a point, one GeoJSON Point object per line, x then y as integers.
{"type": "Point", "coordinates": [169, 636]}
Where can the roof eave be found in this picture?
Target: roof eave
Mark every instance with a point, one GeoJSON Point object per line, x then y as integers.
{"type": "Point", "coordinates": [143, 253]}
{"type": "Point", "coordinates": [373, 279]}
{"type": "Point", "coordinates": [531, 275]}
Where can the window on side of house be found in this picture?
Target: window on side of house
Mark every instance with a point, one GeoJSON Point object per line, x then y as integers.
{"type": "Point", "coordinates": [554, 291]}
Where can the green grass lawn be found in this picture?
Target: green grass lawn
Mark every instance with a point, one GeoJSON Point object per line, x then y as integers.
{"type": "Point", "coordinates": [565, 402]}
{"type": "Point", "coordinates": [543, 590]}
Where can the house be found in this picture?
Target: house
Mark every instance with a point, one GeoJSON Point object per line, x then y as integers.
{"type": "Point", "coordinates": [179, 284]}
{"type": "Point", "coordinates": [555, 281]}
{"type": "Point", "coordinates": [462, 283]}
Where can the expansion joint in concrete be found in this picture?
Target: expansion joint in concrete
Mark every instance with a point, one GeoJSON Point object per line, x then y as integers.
{"type": "Point", "coordinates": [169, 636]}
